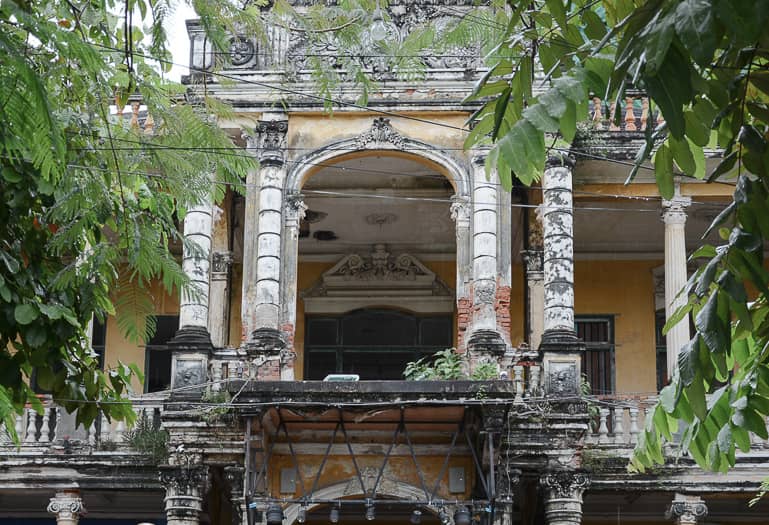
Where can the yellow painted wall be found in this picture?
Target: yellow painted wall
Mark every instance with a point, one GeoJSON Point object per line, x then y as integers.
{"type": "Point", "coordinates": [118, 348]}
{"type": "Point", "coordinates": [624, 289]}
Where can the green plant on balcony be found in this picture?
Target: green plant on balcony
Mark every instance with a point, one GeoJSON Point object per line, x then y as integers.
{"type": "Point", "coordinates": [147, 438]}
{"type": "Point", "coordinates": [448, 364]}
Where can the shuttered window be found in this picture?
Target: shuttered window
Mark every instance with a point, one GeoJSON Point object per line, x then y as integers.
{"type": "Point", "coordinates": [598, 360]}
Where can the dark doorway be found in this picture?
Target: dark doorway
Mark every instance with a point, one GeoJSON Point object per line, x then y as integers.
{"type": "Point", "coordinates": [373, 343]}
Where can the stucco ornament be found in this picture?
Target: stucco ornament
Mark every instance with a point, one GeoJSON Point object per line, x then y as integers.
{"type": "Point", "coordinates": [242, 50]}
{"type": "Point", "coordinates": [380, 132]}
{"type": "Point", "coordinates": [66, 506]}
{"type": "Point", "coordinates": [689, 510]}
{"type": "Point", "coordinates": [484, 292]}
{"type": "Point", "coordinates": [271, 141]}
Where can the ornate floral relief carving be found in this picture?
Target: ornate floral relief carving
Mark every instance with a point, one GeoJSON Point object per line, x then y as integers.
{"type": "Point", "coordinates": [381, 132]}
{"type": "Point", "coordinates": [485, 291]}
{"type": "Point", "coordinates": [380, 265]}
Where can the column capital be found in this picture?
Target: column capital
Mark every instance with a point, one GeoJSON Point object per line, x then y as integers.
{"type": "Point", "coordinates": [560, 160]}
{"type": "Point", "coordinates": [674, 210]}
{"type": "Point", "coordinates": [460, 210]}
{"type": "Point", "coordinates": [687, 510]}
{"type": "Point", "coordinates": [67, 506]}
{"type": "Point", "coordinates": [185, 486]}
{"type": "Point", "coordinates": [271, 141]}
{"type": "Point", "coordinates": [533, 261]}
{"type": "Point", "coordinates": [221, 261]}
{"type": "Point", "coordinates": [565, 483]}
{"type": "Point", "coordinates": [295, 206]}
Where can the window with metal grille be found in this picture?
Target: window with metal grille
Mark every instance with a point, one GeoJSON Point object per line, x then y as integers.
{"type": "Point", "coordinates": [598, 360]}
{"type": "Point", "coordinates": [373, 343]}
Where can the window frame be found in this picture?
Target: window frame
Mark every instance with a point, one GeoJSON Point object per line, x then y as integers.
{"type": "Point", "coordinates": [609, 346]}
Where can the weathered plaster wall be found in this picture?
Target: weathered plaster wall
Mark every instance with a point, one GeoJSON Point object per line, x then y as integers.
{"type": "Point", "coordinates": [309, 131]}
{"type": "Point", "coordinates": [624, 289]}
{"type": "Point", "coordinates": [401, 468]}
{"type": "Point", "coordinates": [118, 348]}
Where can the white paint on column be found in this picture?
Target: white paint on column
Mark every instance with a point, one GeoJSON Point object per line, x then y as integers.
{"type": "Point", "coordinates": [193, 310]}
{"type": "Point", "coordinates": [674, 217]}
{"type": "Point", "coordinates": [558, 242]}
{"type": "Point", "coordinates": [484, 248]}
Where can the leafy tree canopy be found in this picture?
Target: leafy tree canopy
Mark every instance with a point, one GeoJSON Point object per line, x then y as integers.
{"type": "Point", "coordinates": [705, 66]}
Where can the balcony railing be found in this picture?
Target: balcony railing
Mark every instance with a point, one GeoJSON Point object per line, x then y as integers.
{"type": "Point", "coordinates": [55, 428]}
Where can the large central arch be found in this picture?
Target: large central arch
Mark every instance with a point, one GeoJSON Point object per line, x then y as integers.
{"type": "Point", "coordinates": [381, 138]}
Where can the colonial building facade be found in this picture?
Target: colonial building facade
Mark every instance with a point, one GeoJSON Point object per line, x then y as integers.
{"type": "Point", "coordinates": [370, 238]}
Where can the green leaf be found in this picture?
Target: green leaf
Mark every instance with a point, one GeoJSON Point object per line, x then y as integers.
{"type": "Point", "coordinates": [744, 19]}
{"type": "Point", "coordinates": [671, 89]}
{"type": "Point", "coordinates": [696, 130]}
{"type": "Point", "coordinates": [568, 122]}
{"type": "Point", "coordinates": [540, 119]}
{"type": "Point", "coordinates": [523, 149]}
{"type": "Point", "coordinates": [695, 27]}
{"type": "Point", "coordinates": [25, 313]}
{"type": "Point", "coordinates": [663, 171]}
{"type": "Point", "coordinates": [682, 155]}
{"type": "Point", "coordinates": [657, 42]}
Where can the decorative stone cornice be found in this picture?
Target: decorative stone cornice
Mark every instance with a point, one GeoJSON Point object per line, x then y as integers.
{"type": "Point", "coordinates": [271, 141]}
{"type": "Point", "coordinates": [380, 132]}
{"type": "Point", "coordinates": [67, 506]}
{"type": "Point", "coordinates": [687, 510]}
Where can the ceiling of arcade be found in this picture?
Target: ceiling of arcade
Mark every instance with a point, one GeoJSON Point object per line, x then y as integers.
{"type": "Point", "coordinates": [360, 202]}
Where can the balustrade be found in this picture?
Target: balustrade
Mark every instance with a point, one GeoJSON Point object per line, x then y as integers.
{"type": "Point", "coordinates": [54, 427]}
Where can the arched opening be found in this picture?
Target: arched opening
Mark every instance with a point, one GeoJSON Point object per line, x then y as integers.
{"type": "Point", "coordinates": [376, 268]}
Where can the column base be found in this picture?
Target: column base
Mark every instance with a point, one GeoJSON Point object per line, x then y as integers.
{"type": "Point", "coordinates": [192, 338]}
{"type": "Point", "coordinates": [561, 352]}
{"type": "Point", "coordinates": [265, 342]}
{"type": "Point", "coordinates": [191, 348]}
{"type": "Point", "coordinates": [486, 342]}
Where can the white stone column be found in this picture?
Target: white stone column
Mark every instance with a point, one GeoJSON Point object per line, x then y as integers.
{"type": "Point", "coordinates": [219, 300]}
{"type": "Point", "coordinates": [67, 506]}
{"type": "Point", "coordinates": [687, 510]}
{"type": "Point", "coordinates": [262, 294]}
{"type": "Point", "coordinates": [193, 309]}
{"type": "Point", "coordinates": [484, 333]}
{"type": "Point", "coordinates": [484, 247]}
{"type": "Point", "coordinates": [560, 347]}
{"type": "Point", "coordinates": [674, 217]}
{"type": "Point", "coordinates": [563, 497]}
{"type": "Point", "coordinates": [185, 487]}
{"type": "Point", "coordinates": [558, 240]}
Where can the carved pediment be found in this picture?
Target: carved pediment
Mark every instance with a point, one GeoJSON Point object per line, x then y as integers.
{"type": "Point", "coordinates": [380, 278]}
